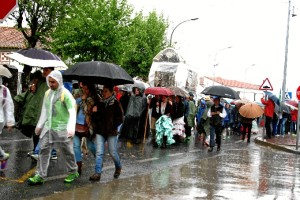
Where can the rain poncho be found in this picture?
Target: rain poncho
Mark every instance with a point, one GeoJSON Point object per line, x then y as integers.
{"type": "Point", "coordinates": [135, 118]}
{"type": "Point", "coordinates": [201, 110]}
{"type": "Point", "coordinates": [32, 104]}
{"type": "Point", "coordinates": [164, 127]}
{"type": "Point", "coordinates": [7, 108]}
{"type": "Point", "coordinates": [192, 114]}
{"type": "Point", "coordinates": [58, 115]}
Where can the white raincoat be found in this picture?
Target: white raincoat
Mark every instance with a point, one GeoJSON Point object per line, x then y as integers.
{"type": "Point", "coordinates": [7, 109]}
{"type": "Point", "coordinates": [58, 115]}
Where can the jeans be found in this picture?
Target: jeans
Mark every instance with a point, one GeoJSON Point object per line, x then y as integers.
{"type": "Point", "coordinates": [283, 126]}
{"type": "Point", "coordinates": [274, 126]}
{"type": "Point", "coordinates": [77, 147]}
{"type": "Point", "coordinates": [215, 130]}
{"type": "Point", "coordinates": [37, 150]}
{"type": "Point", "coordinates": [293, 127]}
{"type": "Point", "coordinates": [112, 142]}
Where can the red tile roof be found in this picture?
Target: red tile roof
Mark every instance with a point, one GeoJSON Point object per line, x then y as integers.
{"type": "Point", "coordinates": [234, 83]}
{"type": "Point", "coordinates": [11, 38]}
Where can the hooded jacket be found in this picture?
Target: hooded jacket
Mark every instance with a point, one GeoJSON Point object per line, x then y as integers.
{"type": "Point", "coordinates": [7, 108]}
{"type": "Point", "coordinates": [58, 113]}
{"type": "Point", "coordinates": [269, 107]}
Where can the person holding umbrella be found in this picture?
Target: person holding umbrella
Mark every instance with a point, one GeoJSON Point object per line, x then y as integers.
{"type": "Point", "coordinates": [106, 117]}
{"type": "Point", "coordinates": [269, 112]}
{"type": "Point", "coordinates": [247, 126]}
{"type": "Point", "coordinates": [249, 112]}
{"type": "Point", "coordinates": [216, 113]}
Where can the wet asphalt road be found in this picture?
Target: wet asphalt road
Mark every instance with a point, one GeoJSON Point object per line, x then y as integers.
{"type": "Point", "coordinates": [187, 171]}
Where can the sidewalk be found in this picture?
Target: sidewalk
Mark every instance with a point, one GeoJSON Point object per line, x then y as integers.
{"type": "Point", "coordinates": [286, 143]}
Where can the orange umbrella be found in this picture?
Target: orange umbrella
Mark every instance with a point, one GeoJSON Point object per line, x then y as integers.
{"type": "Point", "coordinates": [251, 110]}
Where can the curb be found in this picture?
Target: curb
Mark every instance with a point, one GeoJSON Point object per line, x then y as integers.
{"type": "Point", "coordinates": [258, 140]}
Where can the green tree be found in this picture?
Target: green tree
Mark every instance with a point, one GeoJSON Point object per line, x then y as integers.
{"type": "Point", "coordinates": [146, 38]}
{"type": "Point", "coordinates": [107, 30]}
{"type": "Point", "coordinates": [94, 30]}
{"type": "Point", "coordinates": [37, 18]}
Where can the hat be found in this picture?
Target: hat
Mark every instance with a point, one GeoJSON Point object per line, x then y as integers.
{"type": "Point", "coordinates": [207, 98]}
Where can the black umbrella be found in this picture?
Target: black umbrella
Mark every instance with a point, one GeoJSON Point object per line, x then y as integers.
{"type": "Point", "coordinates": [284, 108]}
{"type": "Point", "coordinates": [179, 91]}
{"type": "Point", "coordinates": [273, 97]}
{"type": "Point", "coordinates": [37, 58]}
{"type": "Point", "coordinates": [221, 91]}
{"type": "Point", "coordinates": [98, 72]}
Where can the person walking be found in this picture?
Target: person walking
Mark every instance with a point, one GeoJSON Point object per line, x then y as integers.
{"type": "Point", "coordinates": [177, 116]}
{"type": "Point", "coordinates": [154, 105]}
{"type": "Point", "coordinates": [84, 128]}
{"type": "Point", "coordinates": [106, 117]}
{"type": "Point", "coordinates": [191, 116]}
{"type": "Point", "coordinates": [56, 126]}
{"type": "Point", "coordinates": [216, 113]}
{"type": "Point", "coordinates": [6, 114]}
{"type": "Point", "coordinates": [135, 118]}
{"type": "Point", "coordinates": [269, 112]}
{"type": "Point", "coordinates": [33, 101]}
{"type": "Point", "coordinates": [247, 128]}
{"type": "Point", "coordinates": [294, 117]}
{"type": "Point", "coordinates": [163, 126]}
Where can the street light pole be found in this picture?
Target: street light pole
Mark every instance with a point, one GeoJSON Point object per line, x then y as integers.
{"type": "Point", "coordinates": [286, 53]}
{"type": "Point", "coordinates": [193, 19]}
{"type": "Point", "coordinates": [215, 63]}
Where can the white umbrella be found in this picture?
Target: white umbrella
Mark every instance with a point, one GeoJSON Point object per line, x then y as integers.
{"type": "Point", "coordinates": [5, 72]}
{"type": "Point", "coordinates": [37, 58]}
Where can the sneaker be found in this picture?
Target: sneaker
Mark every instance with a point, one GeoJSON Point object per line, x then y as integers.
{"type": "Point", "coordinates": [53, 157]}
{"type": "Point", "coordinates": [117, 172]}
{"type": "Point", "coordinates": [210, 149]}
{"type": "Point", "coordinates": [5, 157]}
{"type": "Point", "coordinates": [36, 180]}
{"type": "Point", "coordinates": [34, 157]}
{"type": "Point", "coordinates": [71, 177]}
{"type": "Point", "coordinates": [30, 153]}
{"type": "Point", "coordinates": [95, 177]}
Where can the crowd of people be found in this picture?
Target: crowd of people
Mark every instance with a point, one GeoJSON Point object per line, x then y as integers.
{"type": "Point", "coordinates": [89, 116]}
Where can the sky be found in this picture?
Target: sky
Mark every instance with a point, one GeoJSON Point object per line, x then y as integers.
{"type": "Point", "coordinates": [245, 39]}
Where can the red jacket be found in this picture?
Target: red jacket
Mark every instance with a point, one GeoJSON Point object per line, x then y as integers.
{"type": "Point", "coordinates": [294, 115]}
{"type": "Point", "coordinates": [269, 107]}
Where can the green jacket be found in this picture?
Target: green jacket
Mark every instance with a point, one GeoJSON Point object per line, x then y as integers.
{"type": "Point", "coordinates": [32, 105]}
{"type": "Point", "coordinates": [192, 114]}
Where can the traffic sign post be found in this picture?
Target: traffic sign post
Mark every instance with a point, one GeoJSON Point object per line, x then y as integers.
{"type": "Point", "coordinates": [266, 85]}
{"type": "Point", "coordinates": [298, 120]}
{"type": "Point", "coordinates": [6, 7]}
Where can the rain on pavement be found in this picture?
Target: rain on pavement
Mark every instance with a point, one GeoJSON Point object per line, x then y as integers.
{"type": "Point", "coordinates": [238, 171]}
